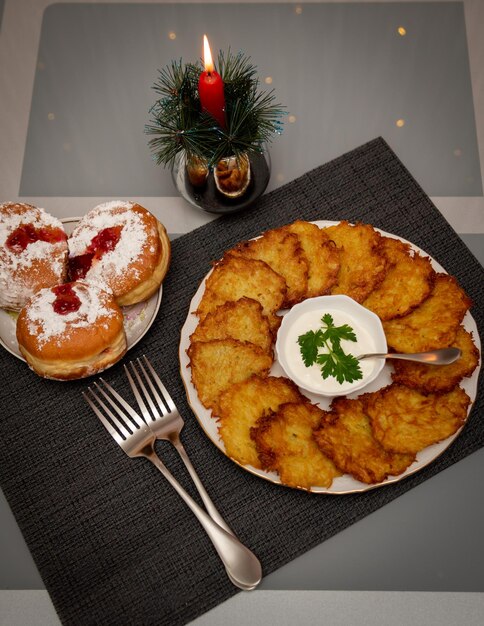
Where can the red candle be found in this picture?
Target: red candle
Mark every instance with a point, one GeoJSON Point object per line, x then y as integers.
{"type": "Point", "coordinates": [211, 88]}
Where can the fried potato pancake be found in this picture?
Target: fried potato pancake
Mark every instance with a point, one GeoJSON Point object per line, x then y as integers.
{"type": "Point", "coordinates": [346, 437]}
{"type": "Point", "coordinates": [217, 364]}
{"type": "Point", "coordinates": [434, 323]}
{"type": "Point", "coordinates": [283, 253]}
{"type": "Point", "coordinates": [443, 378]}
{"type": "Point", "coordinates": [321, 254]}
{"type": "Point", "coordinates": [363, 262]}
{"type": "Point", "coordinates": [285, 444]}
{"type": "Point", "coordinates": [242, 320]}
{"type": "Point", "coordinates": [406, 421]}
{"type": "Point", "coordinates": [408, 281]}
{"type": "Point", "coordinates": [235, 277]}
{"type": "Point", "coordinates": [242, 404]}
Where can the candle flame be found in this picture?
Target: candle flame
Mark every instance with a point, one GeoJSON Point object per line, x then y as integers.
{"type": "Point", "coordinates": [207, 56]}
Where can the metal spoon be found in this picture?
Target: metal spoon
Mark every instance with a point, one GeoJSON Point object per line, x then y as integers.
{"type": "Point", "coordinates": [445, 356]}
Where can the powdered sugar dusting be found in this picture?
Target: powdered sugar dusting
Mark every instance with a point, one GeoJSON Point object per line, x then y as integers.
{"type": "Point", "coordinates": [133, 237]}
{"type": "Point", "coordinates": [35, 250]}
{"type": "Point", "coordinates": [44, 322]}
{"type": "Point", "coordinates": [10, 221]}
{"type": "Point", "coordinates": [13, 290]}
{"type": "Point", "coordinates": [115, 204]}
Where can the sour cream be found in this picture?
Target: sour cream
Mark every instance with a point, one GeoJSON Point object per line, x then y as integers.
{"type": "Point", "coordinates": [307, 316]}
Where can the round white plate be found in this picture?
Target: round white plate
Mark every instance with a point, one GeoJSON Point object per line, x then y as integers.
{"type": "Point", "coordinates": [346, 483]}
{"type": "Point", "coordinates": [137, 318]}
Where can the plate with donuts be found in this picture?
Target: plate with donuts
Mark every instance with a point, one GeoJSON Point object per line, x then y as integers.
{"type": "Point", "coordinates": [255, 414]}
{"type": "Point", "coordinates": [77, 293]}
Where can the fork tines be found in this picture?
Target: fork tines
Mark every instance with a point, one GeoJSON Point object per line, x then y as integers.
{"type": "Point", "coordinates": [152, 380]}
{"type": "Point", "coordinates": [120, 426]}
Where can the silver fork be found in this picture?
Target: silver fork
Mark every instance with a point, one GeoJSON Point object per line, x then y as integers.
{"type": "Point", "coordinates": [166, 423]}
{"type": "Point", "coordinates": [136, 439]}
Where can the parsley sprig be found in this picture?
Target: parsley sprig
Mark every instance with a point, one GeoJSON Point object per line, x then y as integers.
{"type": "Point", "coordinates": [333, 361]}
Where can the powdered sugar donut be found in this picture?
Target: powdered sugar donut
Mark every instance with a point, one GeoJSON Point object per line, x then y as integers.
{"type": "Point", "coordinates": [71, 331]}
{"type": "Point", "coordinates": [33, 253]}
{"type": "Point", "coordinates": [123, 248]}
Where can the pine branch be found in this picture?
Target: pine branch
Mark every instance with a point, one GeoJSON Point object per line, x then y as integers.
{"type": "Point", "coordinates": [178, 123]}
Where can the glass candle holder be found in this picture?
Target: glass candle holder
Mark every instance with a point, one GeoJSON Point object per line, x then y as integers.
{"type": "Point", "coordinates": [198, 185]}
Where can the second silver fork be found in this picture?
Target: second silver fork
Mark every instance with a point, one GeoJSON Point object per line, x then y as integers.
{"type": "Point", "coordinates": [166, 423]}
{"type": "Point", "coordinates": [137, 439]}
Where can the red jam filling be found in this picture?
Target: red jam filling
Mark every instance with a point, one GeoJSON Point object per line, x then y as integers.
{"type": "Point", "coordinates": [79, 266]}
{"type": "Point", "coordinates": [105, 241]}
{"type": "Point", "coordinates": [67, 301]}
{"type": "Point", "coordinates": [26, 234]}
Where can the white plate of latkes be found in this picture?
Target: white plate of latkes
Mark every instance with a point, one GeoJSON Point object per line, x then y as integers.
{"type": "Point", "coordinates": [344, 484]}
{"type": "Point", "coordinates": [138, 318]}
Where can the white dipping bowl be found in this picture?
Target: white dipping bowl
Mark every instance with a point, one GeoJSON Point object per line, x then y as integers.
{"type": "Point", "coordinates": [307, 316]}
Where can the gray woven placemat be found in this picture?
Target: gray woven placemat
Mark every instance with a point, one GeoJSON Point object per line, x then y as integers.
{"type": "Point", "coordinates": [112, 541]}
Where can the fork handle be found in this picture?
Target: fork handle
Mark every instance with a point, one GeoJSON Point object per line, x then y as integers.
{"type": "Point", "coordinates": [209, 505]}
{"type": "Point", "coordinates": [242, 566]}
